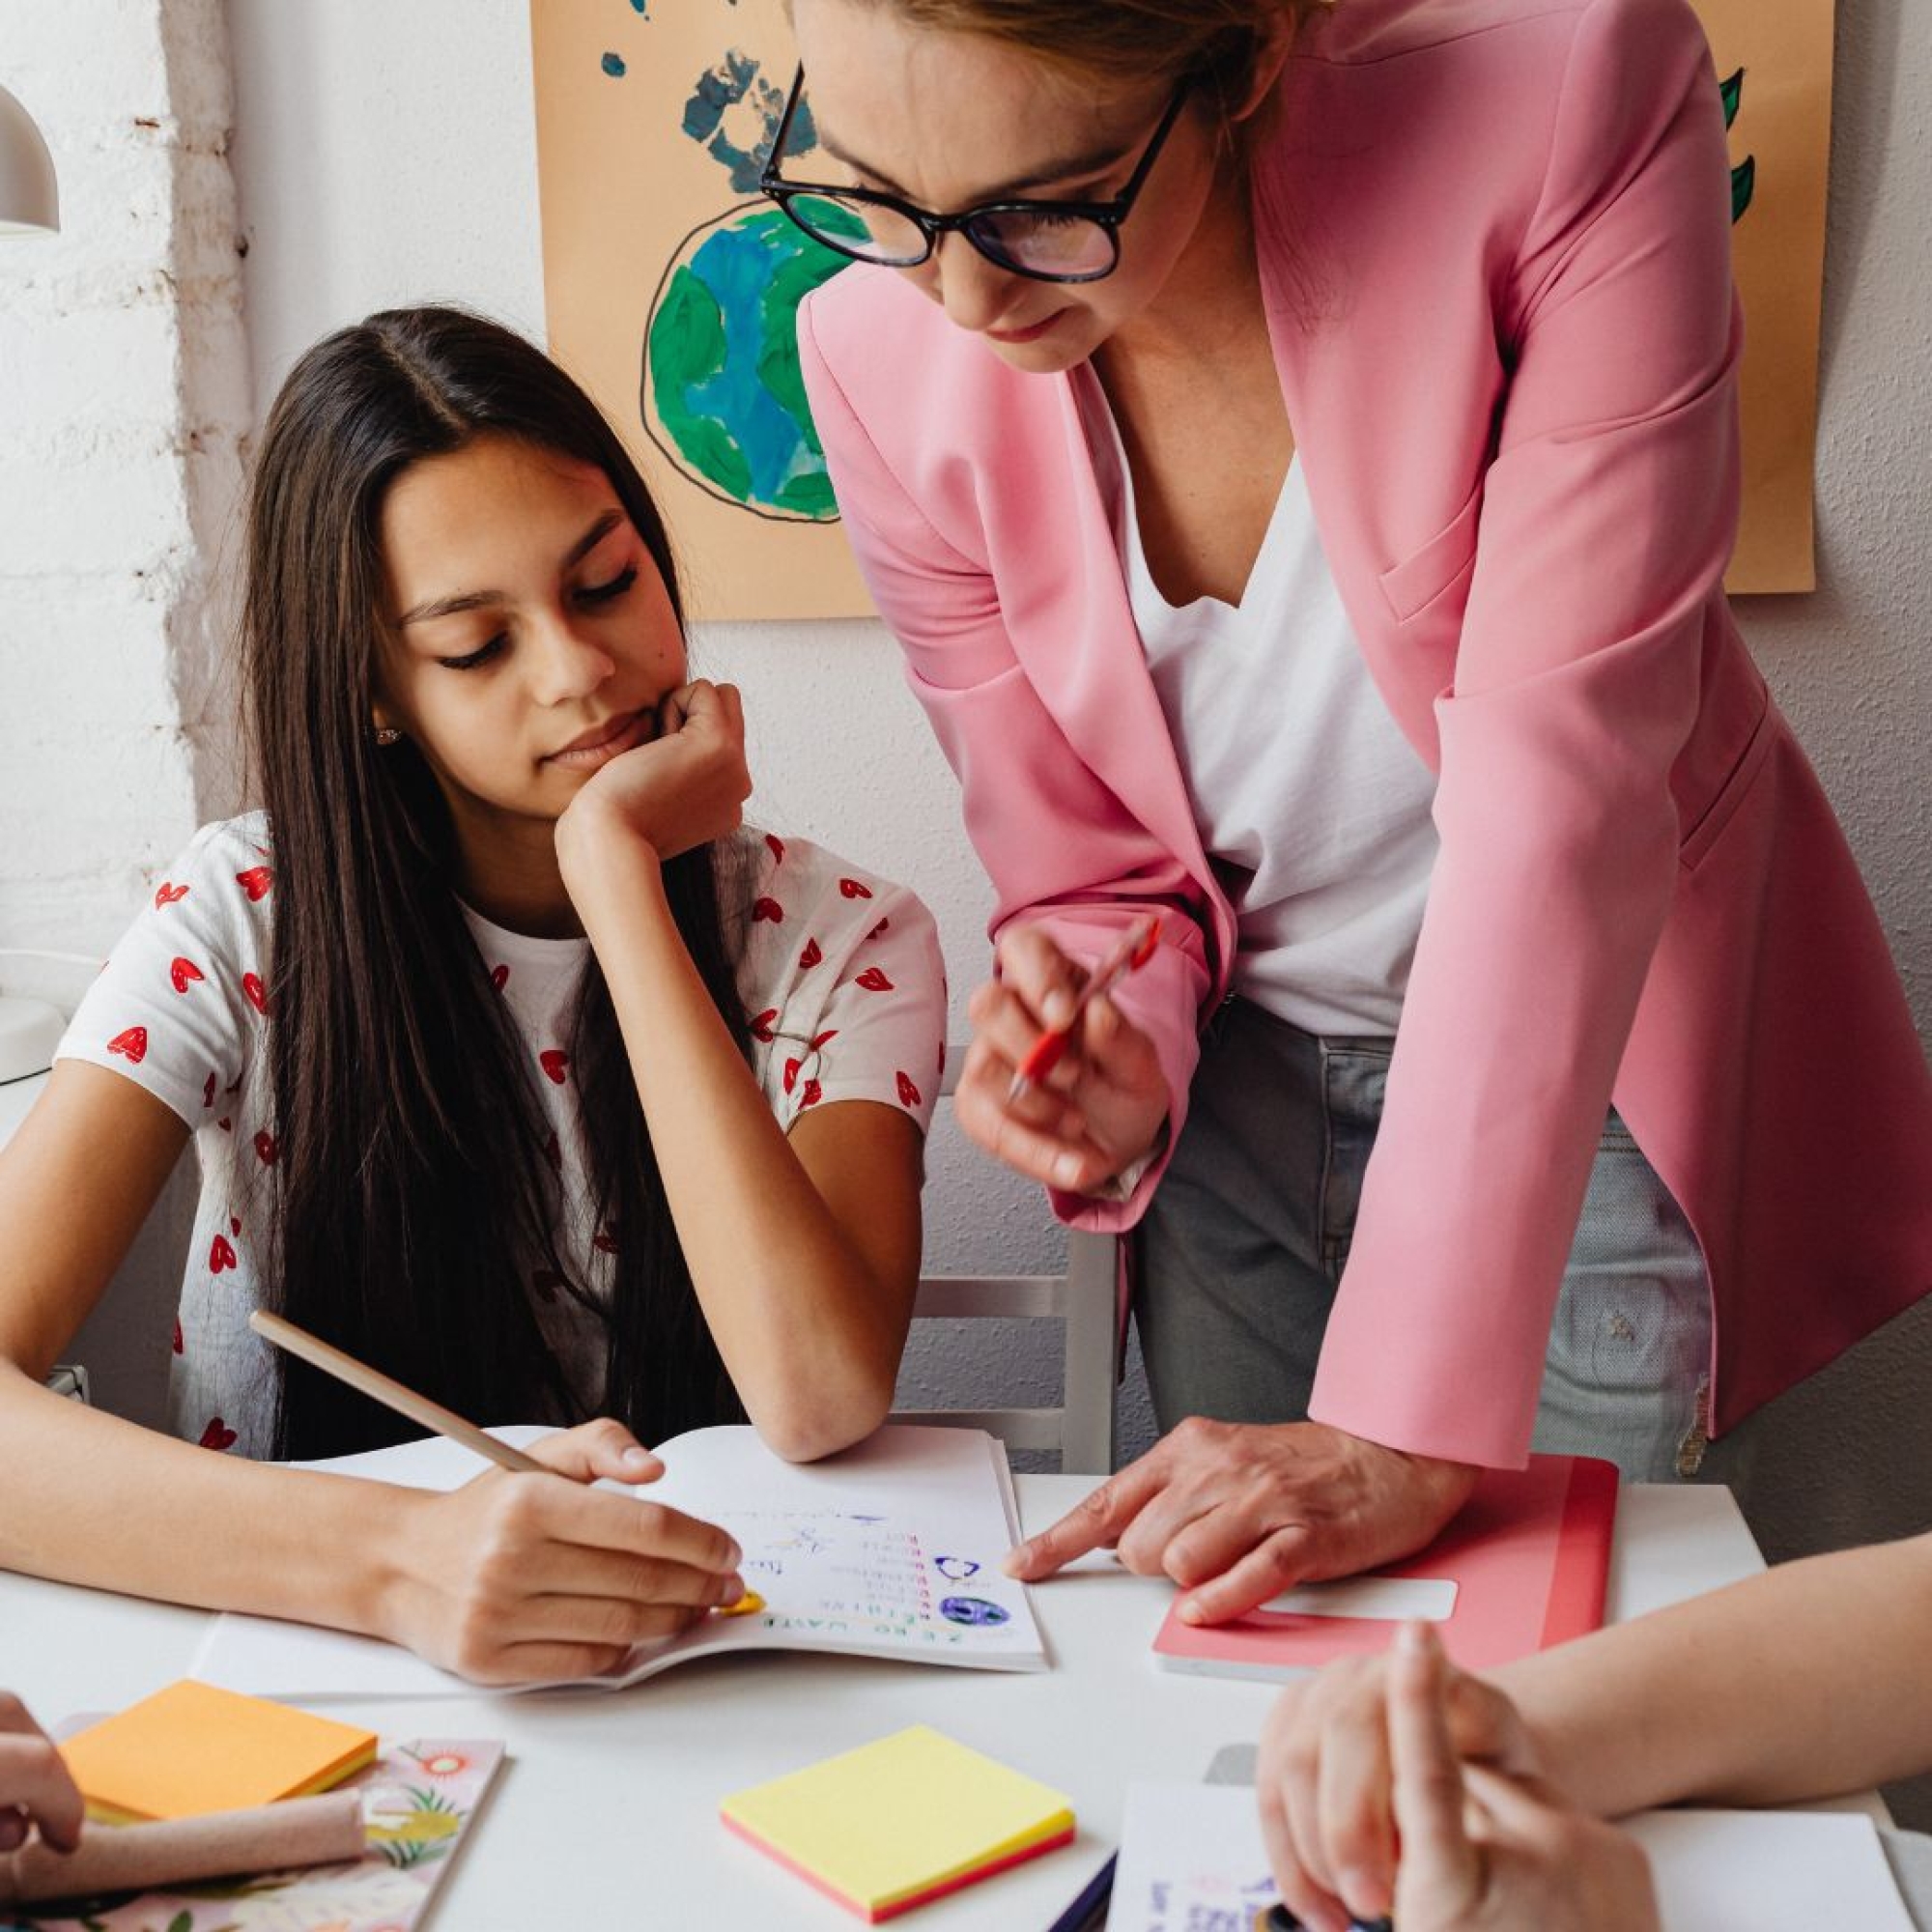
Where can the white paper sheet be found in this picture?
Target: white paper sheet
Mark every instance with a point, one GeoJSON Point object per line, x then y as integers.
{"type": "Point", "coordinates": [1432, 1598]}
{"type": "Point", "coordinates": [890, 1549]}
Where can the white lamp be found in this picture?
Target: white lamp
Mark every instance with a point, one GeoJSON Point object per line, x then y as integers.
{"type": "Point", "coordinates": [29, 200]}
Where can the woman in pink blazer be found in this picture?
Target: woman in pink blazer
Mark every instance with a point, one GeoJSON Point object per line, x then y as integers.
{"type": "Point", "coordinates": [1467, 263]}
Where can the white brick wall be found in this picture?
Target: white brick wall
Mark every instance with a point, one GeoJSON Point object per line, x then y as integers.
{"type": "Point", "coordinates": [123, 406]}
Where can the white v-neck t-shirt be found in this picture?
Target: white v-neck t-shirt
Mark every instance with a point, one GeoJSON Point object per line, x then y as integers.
{"type": "Point", "coordinates": [1312, 807]}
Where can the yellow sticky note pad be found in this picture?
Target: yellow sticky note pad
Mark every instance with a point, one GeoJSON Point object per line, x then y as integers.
{"type": "Point", "coordinates": [895, 1823]}
{"type": "Point", "coordinates": [193, 1749]}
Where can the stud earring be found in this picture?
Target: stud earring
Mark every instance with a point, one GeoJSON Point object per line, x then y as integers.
{"type": "Point", "coordinates": [385, 737]}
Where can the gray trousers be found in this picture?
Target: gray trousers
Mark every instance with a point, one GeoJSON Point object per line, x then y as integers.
{"type": "Point", "coordinates": [1240, 1253]}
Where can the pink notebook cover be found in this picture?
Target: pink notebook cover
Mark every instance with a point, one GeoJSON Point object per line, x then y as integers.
{"type": "Point", "coordinates": [1529, 1556]}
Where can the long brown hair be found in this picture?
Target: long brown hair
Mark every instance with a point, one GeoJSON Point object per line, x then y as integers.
{"type": "Point", "coordinates": [416, 1206]}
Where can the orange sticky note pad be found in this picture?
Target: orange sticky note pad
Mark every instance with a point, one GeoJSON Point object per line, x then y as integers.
{"type": "Point", "coordinates": [895, 1823]}
{"type": "Point", "coordinates": [193, 1749]}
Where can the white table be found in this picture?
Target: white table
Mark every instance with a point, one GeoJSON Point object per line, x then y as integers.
{"type": "Point", "coordinates": [607, 1812]}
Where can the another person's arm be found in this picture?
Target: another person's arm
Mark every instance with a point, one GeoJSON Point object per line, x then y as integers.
{"type": "Point", "coordinates": [1805, 1682]}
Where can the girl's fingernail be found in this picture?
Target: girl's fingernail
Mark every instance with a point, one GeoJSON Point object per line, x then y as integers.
{"type": "Point", "coordinates": [1066, 1168]}
{"type": "Point", "coordinates": [634, 1458]}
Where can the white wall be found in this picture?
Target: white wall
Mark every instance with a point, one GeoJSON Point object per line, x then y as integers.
{"type": "Point", "coordinates": [121, 407]}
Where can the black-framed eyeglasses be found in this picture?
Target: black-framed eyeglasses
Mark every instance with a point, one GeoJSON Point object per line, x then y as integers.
{"type": "Point", "coordinates": [1046, 240]}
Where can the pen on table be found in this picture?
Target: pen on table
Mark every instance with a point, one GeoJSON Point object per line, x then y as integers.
{"type": "Point", "coordinates": [1135, 949]}
{"type": "Point", "coordinates": [1089, 1912]}
{"type": "Point", "coordinates": [419, 1409]}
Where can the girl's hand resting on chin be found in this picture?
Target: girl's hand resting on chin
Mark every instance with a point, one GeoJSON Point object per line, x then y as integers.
{"type": "Point", "coordinates": [683, 788]}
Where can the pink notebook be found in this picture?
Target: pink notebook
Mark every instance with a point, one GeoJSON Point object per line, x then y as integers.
{"type": "Point", "coordinates": [1522, 1567]}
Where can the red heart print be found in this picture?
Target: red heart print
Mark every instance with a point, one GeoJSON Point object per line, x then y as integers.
{"type": "Point", "coordinates": [265, 1147]}
{"type": "Point", "coordinates": [178, 1336]}
{"type": "Point", "coordinates": [778, 846]}
{"type": "Point", "coordinates": [208, 1093]}
{"type": "Point", "coordinates": [220, 1257]}
{"type": "Point", "coordinates": [553, 1153]}
{"type": "Point", "coordinates": [853, 888]}
{"type": "Point", "coordinates": [818, 1039]}
{"type": "Point", "coordinates": [258, 994]}
{"type": "Point", "coordinates": [183, 973]}
{"type": "Point", "coordinates": [879, 928]}
{"type": "Point", "coordinates": [768, 908]}
{"type": "Point", "coordinates": [555, 1063]}
{"type": "Point", "coordinates": [217, 1435]}
{"type": "Point", "coordinates": [167, 892]}
{"type": "Point", "coordinates": [908, 1092]}
{"type": "Point", "coordinates": [255, 881]}
{"type": "Point", "coordinates": [604, 1244]}
{"type": "Point", "coordinates": [811, 1096]}
{"type": "Point", "coordinates": [225, 1125]}
{"type": "Point", "coordinates": [791, 1073]}
{"type": "Point", "coordinates": [499, 977]}
{"type": "Point", "coordinates": [761, 1026]}
{"type": "Point", "coordinates": [811, 956]}
{"type": "Point", "coordinates": [234, 1225]}
{"type": "Point", "coordinates": [132, 1045]}
{"type": "Point", "coordinates": [874, 981]}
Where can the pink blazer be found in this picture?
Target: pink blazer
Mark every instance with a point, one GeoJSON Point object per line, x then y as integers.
{"type": "Point", "coordinates": [1495, 250]}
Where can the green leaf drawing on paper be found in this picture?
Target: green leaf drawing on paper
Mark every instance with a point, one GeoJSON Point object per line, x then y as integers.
{"type": "Point", "coordinates": [1744, 177]}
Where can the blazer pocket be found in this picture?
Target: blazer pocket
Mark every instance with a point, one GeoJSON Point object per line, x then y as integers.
{"type": "Point", "coordinates": [1412, 586]}
{"type": "Point", "coordinates": [1732, 794]}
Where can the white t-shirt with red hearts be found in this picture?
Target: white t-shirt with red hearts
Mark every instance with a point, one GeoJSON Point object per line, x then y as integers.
{"type": "Point", "coordinates": [844, 993]}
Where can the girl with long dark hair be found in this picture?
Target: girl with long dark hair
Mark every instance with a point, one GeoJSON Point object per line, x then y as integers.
{"type": "Point", "coordinates": [515, 1065]}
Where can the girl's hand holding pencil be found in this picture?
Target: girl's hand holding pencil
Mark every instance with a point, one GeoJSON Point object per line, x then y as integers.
{"type": "Point", "coordinates": [515, 1581]}
{"type": "Point", "coordinates": [507, 1580]}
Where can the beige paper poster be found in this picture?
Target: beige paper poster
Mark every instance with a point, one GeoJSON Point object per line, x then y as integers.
{"type": "Point", "coordinates": [1775, 58]}
{"type": "Point", "coordinates": [670, 285]}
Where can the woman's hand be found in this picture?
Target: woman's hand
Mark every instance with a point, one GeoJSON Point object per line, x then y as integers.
{"type": "Point", "coordinates": [1097, 1112]}
{"type": "Point", "coordinates": [35, 1787]}
{"type": "Point", "coordinates": [521, 1579]}
{"type": "Point", "coordinates": [1237, 1512]}
{"type": "Point", "coordinates": [1407, 1749]}
{"type": "Point", "coordinates": [683, 789]}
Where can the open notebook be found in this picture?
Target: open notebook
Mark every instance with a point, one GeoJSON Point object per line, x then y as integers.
{"type": "Point", "coordinates": [890, 1549]}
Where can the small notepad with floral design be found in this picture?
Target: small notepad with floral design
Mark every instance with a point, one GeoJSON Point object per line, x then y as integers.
{"type": "Point", "coordinates": [418, 1801]}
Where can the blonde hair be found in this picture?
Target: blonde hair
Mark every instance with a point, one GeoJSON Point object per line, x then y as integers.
{"type": "Point", "coordinates": [1215, 43]}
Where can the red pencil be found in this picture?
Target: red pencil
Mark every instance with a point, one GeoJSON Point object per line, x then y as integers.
{"type": "Point", "coordinates": [1133, 951]}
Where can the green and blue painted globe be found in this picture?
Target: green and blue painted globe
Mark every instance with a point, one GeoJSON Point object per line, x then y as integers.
{"type": "Point", "coordinates": [723, 394]}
